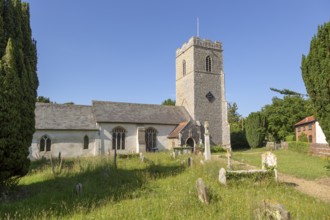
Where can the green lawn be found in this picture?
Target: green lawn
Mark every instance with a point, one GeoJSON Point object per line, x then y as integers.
{"type": "Point", "coordinates": [289, 162]}
{"type": "Point", "coordinates": [161, 188]}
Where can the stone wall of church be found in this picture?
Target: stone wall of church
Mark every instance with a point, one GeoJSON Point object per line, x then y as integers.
{"type": "Point", "coordinates": [69, 143]}
{"type": "Point", "coordinates": [185, 83]}
{"type": "Point", "coordinates": [191, 90]}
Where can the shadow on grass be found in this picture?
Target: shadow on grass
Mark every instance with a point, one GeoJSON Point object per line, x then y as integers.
{"type": "Point", "coordinates": [55, 197]}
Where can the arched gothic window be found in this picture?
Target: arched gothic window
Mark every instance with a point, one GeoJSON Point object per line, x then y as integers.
{"type": "Point", "coordinates": [86, 142]}
{"type": "Point", "coordinates": [118, 138]}
{"type": "Point", "coordinates": [151, 139]}
{"type": "Point", "coordinates": [208, 64]}
{"type": "Point", "coordinates": [184, 67]}
{"type": "Point", "coordinates": [45, 143]}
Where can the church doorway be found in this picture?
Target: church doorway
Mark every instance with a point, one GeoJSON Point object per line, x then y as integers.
{"type": "Point", "coordinates": [190, 142]}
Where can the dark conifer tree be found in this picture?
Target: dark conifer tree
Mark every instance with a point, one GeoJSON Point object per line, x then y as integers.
{"type": "Point", "coordinates": [255, 129]}
{"type": "Point", "coordinates": [316, 75]}
{"type": "Point", "coordinates": [18, 90]}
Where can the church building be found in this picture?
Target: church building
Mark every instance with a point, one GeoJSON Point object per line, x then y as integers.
{"type": "Point", "coordinates": [101, 128]}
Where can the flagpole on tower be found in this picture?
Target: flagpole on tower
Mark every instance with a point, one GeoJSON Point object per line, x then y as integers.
{"type": "Point", "coordinates": [197, 26]}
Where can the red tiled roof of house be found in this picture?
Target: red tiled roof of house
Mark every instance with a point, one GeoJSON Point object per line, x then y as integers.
{"type": "Point", "coordinates": [177, 130]}
{"type": "Point", "coordinates": [306, 120]}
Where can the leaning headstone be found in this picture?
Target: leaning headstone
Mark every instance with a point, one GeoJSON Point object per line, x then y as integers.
{"type": "Point", "coordinates": [268, 160]}
{"type": "Point", "coordinates": [190, 161]}
{"type": "Point", "coordinates": [78, 189]}
{"type": "Point", "coordinates": [269, 210]}
{"type": "Point", "coordinates": [222, 176]}
{"type": "Point", "coordinates": [173, 154]}
{"type": "Point", "coordinates": [202, 192]}
{"type": "Point", "coordinates": [141, 157]}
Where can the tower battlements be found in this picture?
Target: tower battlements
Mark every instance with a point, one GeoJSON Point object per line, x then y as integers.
{"type": "Point", "coordinates": [196, 41]}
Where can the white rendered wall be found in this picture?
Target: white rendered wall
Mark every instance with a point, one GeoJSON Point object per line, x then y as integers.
{"type": "Point", "coordinates": [131, 136]}
{"type": "Point", "coordinates": [69, 143]}
{"type": "Point", "coordinates": [320, 137]}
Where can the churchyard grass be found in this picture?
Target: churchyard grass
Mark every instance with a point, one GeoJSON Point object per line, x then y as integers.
{"type": "Point", "coordinates": [161, 187]}
{"type": "Point", "coordinates": [297, 164]}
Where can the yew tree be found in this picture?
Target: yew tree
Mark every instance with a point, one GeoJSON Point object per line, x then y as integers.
{"type": "Point", "coordinates": [316, 75]}
{"type": "Point", "coordinates": [18, 90]}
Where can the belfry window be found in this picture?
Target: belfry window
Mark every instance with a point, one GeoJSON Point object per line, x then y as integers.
{"type": "Point", "coordinates": [86, 142]}
{"type": "Point", "coordinates": [118, 138]}
{"type": "Point", "coordinates": [184, 68]}
{"type": "Point", "coordinates": [208, 64]}
{"type": "Point", "coordinates": [45, 143]}
{"type": "Point", "coordinates": [151, 139]}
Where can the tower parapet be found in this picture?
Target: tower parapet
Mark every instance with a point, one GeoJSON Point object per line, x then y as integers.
{"type": "Point", "coordinates": [196, 41]}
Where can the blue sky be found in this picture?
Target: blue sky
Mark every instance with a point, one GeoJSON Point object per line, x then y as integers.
{"type": "Point", "coordinates": [125, 50]}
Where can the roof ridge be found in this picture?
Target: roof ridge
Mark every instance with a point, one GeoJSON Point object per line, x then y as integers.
{"type": "Point", "coordinates": [61, 104]}
{"type": "Point", "coordinates": [130, 103]}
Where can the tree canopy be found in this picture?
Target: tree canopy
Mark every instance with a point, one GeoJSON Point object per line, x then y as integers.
{"type": "Point", "coordinates": [287, 92]}
{"type": "Point", "coordinates": [316, 75]}
{"type": "Point", "coordinates": [43, 99]}
{"type": "Point", "coordinates": [282, 114]}
{"type": "Point", "coordinates": [168, 102]}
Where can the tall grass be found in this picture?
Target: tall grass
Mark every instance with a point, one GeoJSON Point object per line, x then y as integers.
{"type": "Point", "coordinates": [289, 162]}
{"type": "Point", "coordinates": [160, 188]}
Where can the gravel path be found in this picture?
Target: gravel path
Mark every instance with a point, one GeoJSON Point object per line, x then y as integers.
{"type": "Point", "coordinates": [316, 188]}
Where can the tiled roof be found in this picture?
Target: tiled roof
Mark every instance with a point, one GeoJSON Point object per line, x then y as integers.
{"type": "Point", "coordinates": [119, 112]}
{"type": "Point", "coordinates": [64, 117]}
{"type": "Point", "coordinates": [178, 129]}
{"type": "Point", "coordinates": [306, 120]}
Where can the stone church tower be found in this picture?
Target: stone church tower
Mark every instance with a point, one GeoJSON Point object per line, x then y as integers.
{"type": "Point", "coordinates": [200, 86]}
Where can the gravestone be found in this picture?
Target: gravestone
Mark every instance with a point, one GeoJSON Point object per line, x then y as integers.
{"type": "Point", "coordinates": [78, 189]}
{"type": "Point", "coordinates": [141, 157]}
{"type": "Point", "coordinates": [207, 150]}
{"type": "Point", "coordinates": [268, 160]}
{"type": "Point", "coordinates": [228, 158]}
{"type": "Point", "coordinates": [190, 161]}
{"type": "Point", "coordinates": [201, 191]}
{"type": "Point", "coordinates": [271, 210]}
{"type": "Point", "coordinates": [173, 154]}
{"type": "Point", "coordinates": [222, 176]}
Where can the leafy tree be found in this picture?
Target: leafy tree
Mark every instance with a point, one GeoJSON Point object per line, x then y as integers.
{"type": "Point", "coordinates": [168, 102]}
{"type": "Point", "coordinates": [234, 118]}
{"type": "Point", "coordinates": [43, 99]}
{"type": "Point", "coordinates": [282, 114]}
{"type": "Point", "coordinates": [18, 90]}
{"type": "Point", "coordinates": [316, 75]}
{"type": "Point", "coordinates": [237, 133]}
{"type": "Point", "coordinates": [255, 129]}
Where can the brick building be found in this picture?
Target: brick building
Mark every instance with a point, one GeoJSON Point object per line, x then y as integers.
{"type": "Point", "coordinates": [312, 129]}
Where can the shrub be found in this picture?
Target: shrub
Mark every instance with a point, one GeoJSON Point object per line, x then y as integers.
{"type": "Point", "coordinates": [300, 147]}
{"type": "Point", "coordinates": [302, 137]}
{"type": "Point", "coordinates": [238, 140]}
{"type": "Point", "coordinates": [328, 165]}
{"type": "Point", "coordinates": [290, 138]}
{"type": "Point", "coordinates": [217, 149]}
